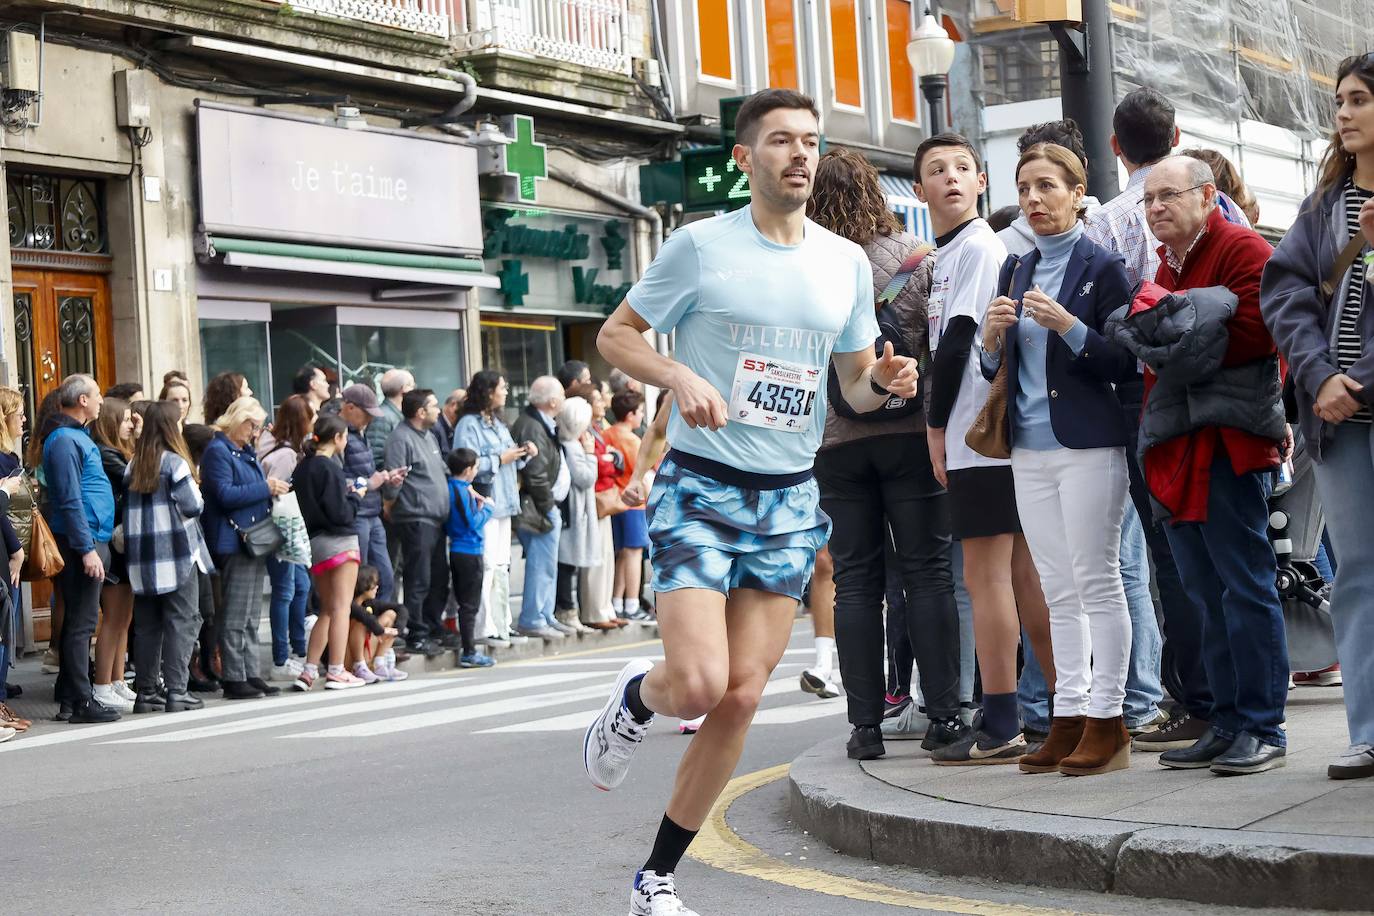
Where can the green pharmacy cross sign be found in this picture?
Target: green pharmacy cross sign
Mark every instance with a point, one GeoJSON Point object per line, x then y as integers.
{"type": "Point", "coordinates": [712, 179]}
{"type": "Point", "coordinates": [526, 160]}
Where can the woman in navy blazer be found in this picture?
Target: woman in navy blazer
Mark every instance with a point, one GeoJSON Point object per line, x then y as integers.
{"type": "Point", "coordinates": [238, 493]}
{"type": "Point", "coordinates": [1068, 457]}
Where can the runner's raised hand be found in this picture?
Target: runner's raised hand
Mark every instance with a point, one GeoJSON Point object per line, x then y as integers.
{"type": "Point", "coordinates": [896, 373]}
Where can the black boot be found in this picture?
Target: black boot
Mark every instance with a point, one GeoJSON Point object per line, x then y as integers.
{"type": "Point", "coordinates": [241, 690]}
{"type": "Point", "coordinates": [267, 689]}
{"type": "Point", "coordinates": [866, 743]}
{"type": "Point", "coordinates": [91, 711]}
{"type": "Point", "coordinates": [179, 702]}
{"type": "Point", "coordinates": [149, 702]}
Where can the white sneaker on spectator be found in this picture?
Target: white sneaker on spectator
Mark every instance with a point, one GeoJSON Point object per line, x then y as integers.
{"type": "Point", "coordinates": [105, 695]}
{"type": "Point", "coordinates": [51, 664]}
{"type": "Point", "coordinates": [655, 895]}
{"type": "Point", "coordinates": [516, 639]}
{"type": "Point", "coordinates": [6, 733]}
{"type": "Point", "coordinates": [122, 688]}
{"type": "Point", "coordinates": [283, 672]}
{"type": "Point", "coordinates": [566, 629]}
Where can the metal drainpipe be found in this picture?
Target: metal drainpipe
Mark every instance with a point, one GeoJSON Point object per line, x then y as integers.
{"type": "Point", "coordinates": [469, 98]}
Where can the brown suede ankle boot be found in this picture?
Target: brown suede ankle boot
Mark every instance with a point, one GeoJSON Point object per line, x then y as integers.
{"type": "Point", "coordinates": [1065, 733]}
{"type": "Point", "coordinates": [1106, 746]}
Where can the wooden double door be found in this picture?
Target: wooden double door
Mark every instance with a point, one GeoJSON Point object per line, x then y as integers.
{"type": "Point", "coordinates": [62, 325]}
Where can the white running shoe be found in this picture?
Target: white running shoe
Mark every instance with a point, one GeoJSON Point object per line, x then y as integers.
{"type": "Point", "coordinates": [122, 689]}
{"type": "Point", "coordinates": [6, 733]}
{"type": "Point", "coordinates": [654, 895]}
{"type": "Point", "coordinates": [690, 726]}
{"type": "Point", "coordinates": [614, 737]}
{"type": "Point", "coordinates": [105, 695]}
{"type": "Point", "coordinates": [817, 681]}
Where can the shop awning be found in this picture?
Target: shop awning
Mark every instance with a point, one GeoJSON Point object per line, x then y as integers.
{"type": "Point", "coordinates": [902, 201]}
{"type": "Point", "coordinates": [434, 270]}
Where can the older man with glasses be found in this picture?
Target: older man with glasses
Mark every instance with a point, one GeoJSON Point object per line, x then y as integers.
{"type": "Point", "coordinates": [1213, 437]}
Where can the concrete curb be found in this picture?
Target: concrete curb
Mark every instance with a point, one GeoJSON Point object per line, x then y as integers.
{"type": "Point", "coordinates": [860, 815]}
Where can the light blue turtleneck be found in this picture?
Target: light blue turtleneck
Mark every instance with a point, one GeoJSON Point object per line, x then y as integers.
{"type": "Point", "coordinates": [1033, 427]}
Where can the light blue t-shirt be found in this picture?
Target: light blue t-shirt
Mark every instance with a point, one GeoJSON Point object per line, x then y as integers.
{"type": "Point", "coordinates": [758, 321]}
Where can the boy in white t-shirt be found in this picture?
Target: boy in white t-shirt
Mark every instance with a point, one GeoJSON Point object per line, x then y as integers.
{"type": "Point", "coordinates": [998, 569]}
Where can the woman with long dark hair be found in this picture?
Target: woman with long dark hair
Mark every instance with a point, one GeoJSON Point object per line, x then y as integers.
{"type": "Point", "coordinates": [279, 451]}
{"type": "Point", "coordinates": [113, 435]}
{"type": "Point", "coordinates": [166, 555]}
{"type": "Point", "coordinates": [481, 429]}
{"type": "Point", "coordinates": [223, 390]}
{"type": "Point", "coordinates": [1316, 299]}
{"type": "Point", "coordinates": [329, 503]}
{"type": "Point", "coordinates": [875, 475]}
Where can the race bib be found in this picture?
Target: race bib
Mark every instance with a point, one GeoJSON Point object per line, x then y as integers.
{"type": "Point", "coordinates": [935, 311]}
{"type": "Point", "coordinates": [774, 394]}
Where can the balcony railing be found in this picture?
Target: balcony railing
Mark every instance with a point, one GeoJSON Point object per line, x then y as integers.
{"type": "Point", "coordinates": [591, 33]}
{"type": "Point", "coordinates": [430, 17]}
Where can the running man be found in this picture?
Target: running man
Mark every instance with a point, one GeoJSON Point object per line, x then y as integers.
{"type": "Point", "coordinates": [760, 299]}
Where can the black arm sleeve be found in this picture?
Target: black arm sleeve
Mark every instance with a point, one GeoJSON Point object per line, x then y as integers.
{"type": "Point", "coordinates": [947, 373]}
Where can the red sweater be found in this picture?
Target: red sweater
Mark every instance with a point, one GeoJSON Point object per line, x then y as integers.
{"type": "Point", "coordinates": [1178, 471]}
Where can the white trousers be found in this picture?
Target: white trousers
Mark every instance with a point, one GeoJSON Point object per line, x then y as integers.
{"type": "Point", "coordinates": [495, 578]}
{"type": "Point", "coordinates": [1072, 503]}
{"type": "Point", "coordinates": [595, 583]}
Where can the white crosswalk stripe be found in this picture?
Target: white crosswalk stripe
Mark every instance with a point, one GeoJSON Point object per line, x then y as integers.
{"type": "Point", "coordinates": [550, 695]}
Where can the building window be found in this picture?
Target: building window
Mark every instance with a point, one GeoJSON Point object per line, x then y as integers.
{"type": "Point", "coordinates": [521, 351]}
{"type": "Point", "coordinates": [781, 24]}
{"type": "Point", "coordinates": [715, 38]}
{"type": "Point", "coordinates": [238, 346]}
{"type": "Point", "coordinates": [1020, 71]}
{"type": "Point", "coordinates": [844, 53]}
{"type": "Point", "coordinates": [900, 76]}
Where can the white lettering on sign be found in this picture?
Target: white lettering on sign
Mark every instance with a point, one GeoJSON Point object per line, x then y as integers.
{"type": "Point", "coordinates": [346, 181]}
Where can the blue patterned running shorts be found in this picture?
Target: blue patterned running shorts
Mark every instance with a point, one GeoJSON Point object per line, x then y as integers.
{"type": "Point", "coordinates": [705, 533]}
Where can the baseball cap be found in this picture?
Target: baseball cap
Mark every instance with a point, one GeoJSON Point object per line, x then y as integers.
{"type": "Point", "coordinates": [360, 395]}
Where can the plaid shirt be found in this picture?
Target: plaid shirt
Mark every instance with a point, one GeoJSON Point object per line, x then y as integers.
{"type": "Point", "coordinates": [1119, 225]}
{"type": "Point", "coordinates": [163, 542]}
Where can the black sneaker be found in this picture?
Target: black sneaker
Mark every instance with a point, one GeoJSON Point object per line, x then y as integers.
{"type": "Point", "coordinates": [1179, 733]}
{"type": "Point", "coordinates": [267, 689]}
{"type": "Point", "coordinates": [91, 712]}
{"type": "Point", "coordinates": [64, 713]}
{"type": "Point", "coordinates": [943, 733]}
{"type": "Point", "coordinates": [978, 748]}
{"type": "Point", "coordinates": [865, 743]}
{"type": "Point", "coordinates": [450, 640]}
{"type": "Point", "coordinates": [149, 702]}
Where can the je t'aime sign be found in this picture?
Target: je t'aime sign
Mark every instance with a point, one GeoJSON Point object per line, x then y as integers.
{"type": "Point", "coordinates": [307, 180]}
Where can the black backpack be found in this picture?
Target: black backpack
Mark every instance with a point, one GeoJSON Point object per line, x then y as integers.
{"type": "Point", "coordinates": [889, 331]}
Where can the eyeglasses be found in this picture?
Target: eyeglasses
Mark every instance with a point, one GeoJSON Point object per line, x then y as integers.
{"type": "Point", "coordinates": [1168, 198]}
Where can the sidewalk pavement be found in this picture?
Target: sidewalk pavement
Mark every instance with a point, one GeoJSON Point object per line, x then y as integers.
{"type": "Point", "coordinates": [1289, 837]}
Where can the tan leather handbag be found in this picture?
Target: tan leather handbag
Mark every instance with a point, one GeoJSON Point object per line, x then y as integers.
{"type": "Point", "coordinates": [990, 433]}
{"type": "Point", "coordinates": [44, 560]}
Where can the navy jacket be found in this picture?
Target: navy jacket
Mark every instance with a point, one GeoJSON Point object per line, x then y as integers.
{"type": "Point", "coordinates": [1084, 410]}
{"type": "Point", "coordinates": [235, 488]}
{"type": "Point", "coordinates": [358, 462]}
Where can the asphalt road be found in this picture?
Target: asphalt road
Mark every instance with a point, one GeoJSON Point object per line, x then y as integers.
{"type": "Point", "coordinates": [460, 793]}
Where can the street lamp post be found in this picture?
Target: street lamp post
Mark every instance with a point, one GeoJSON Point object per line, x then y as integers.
{"type": "Point", "coordinates": [931, 52]}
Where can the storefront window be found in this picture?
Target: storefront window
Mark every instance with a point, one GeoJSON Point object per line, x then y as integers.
{"type": "Point", "coordinates": [521, 352]}
{"type": "Point", "coordinates": [237, 346]}
{"type": "Point", "coordinates": [433, 355]}
{"type": "Point", "coordinates": [296, 343]}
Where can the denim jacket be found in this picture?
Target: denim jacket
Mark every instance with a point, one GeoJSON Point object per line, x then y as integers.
{"type": "Point", "coordinates": [489, 438]}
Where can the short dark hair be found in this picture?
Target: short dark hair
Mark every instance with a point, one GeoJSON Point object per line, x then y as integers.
{"type": "Point", "coordinates": [626, 403]}
{"type": "Point", "coordinates": [125, 391]}
{"type": "Point", "coordinates": [761, 103]}
{"type": "Point", "coordinates": [571, 371]}
{"type": "Point", "coordinates": [1063, 133]}
{"type": "Point", "coordinates": [459, 460]}
{"type": "Point", "coordinates": [1003, 217]}
{"type": "Point", "coordinates": [413, 401]}
{"type": "Point", "coordinates": [300, 382]}
{"type": "Point", "coordinates": [1144, 126]}
{"type": "Point", "coordinates": [948, 138]}
{"type": "Point", "coordinates": [368, 579]}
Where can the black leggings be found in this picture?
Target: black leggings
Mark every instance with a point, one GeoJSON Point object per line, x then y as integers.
{"type": "Point", "coordinates": [466, 570]}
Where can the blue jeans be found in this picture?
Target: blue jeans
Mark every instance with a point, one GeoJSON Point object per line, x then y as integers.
{"type": "Point", "coordinates": [1325, 561]}
{"type": "Point", "coordinates": [541, 574]}
{"type": "Point", "coordinates": [1229, 564]}
{"type": "Point", "coordinates": [290, 594]}
{"type": "Point", "coordinates": [6, 654]}
{"type": "Point", "coordinates": [372, 552]}
{"type": "Point", "coordinates": [1345, 480]}
{"type": "Point", "coordinates": [1143, 689]}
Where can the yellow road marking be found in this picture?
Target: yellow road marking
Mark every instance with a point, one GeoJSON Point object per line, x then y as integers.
{"type": "Point", "coordinates": [720, 847]}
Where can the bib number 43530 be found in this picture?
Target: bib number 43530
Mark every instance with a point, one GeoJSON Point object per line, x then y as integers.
{"type": "Point", "coordinates": [774, 394]}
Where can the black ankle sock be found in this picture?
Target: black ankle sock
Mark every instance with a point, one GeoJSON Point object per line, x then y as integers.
{"type": "Point", "coordinates": [638, 711]}
{"type": "Point", "coordinates": [999, 716]}
{"type": "Point", "coordinates": [669, 847]}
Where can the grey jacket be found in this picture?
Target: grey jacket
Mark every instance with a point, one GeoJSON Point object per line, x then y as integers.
{"type": "Point", "coordinates": [379, 431]}
{"type": "Point", "coordinates": [423, 495]}
{"type": "Point", "coordinates": [1183, 339]}
{"type": "Point", "coordinates": [1304, 324]}
{"type": "Point", "coordinates": [885, 255]}
{"type": "Point", "coordinates": [579, 544]}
